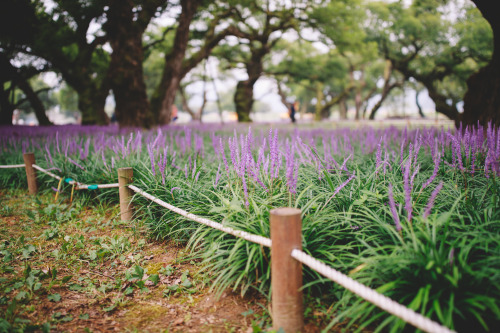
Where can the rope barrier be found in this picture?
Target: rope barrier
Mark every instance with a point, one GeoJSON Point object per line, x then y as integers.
{"type": "Point", "coordinates": [78, 186]}
{"type": "Point", "coordinates": [12, 166]}
{"type": "Point", "coordinates": [238, 233]}
{"type": "Point", "coordinates": [46, 172]}
{"type": "Point", "coordinates": [95, 186]}
{"type": "Point", "coordinates": [371, 295]}
{"type": "Point", "coordinates": [72, 182]}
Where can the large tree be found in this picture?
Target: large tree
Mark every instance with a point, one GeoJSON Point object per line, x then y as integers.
{"type": "Point", "coordinates": [200, 28]}
{"type": "Point", "coordinates": [317, 78]}
{"type": "Point", "coordinates": [416, 40]}
{"type": "Point", "coordinates": [391, 81]}
{"type": "Point", "coordinates": [18, 78]}
{"type": "Point", "coordinates": [482, 100]}
{"type": "Point", "coordinates": [16, 30]}
{"type": "Point", "coordinates": [126, 22]}
{"type": "Point", "coordinates": [261, 26]}
{"type": "Point", "coordinates": [63, 39]}
{"type": "Point", "coordinates": [164, 96]}
{"type": "Point", "coordinates": [260, 39]}
{"type": "Point", "coordinates": [349, 69]}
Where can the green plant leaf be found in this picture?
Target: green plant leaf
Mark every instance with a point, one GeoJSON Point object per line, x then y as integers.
{"type": "Point", "coordinates": [84, 316]}
{"type": "Point", "coordinates": [155, 278]}
{"type": "Point", "coordinates": [21, 295]}
{"type": "Point", "coordinates": [65, 279]}
{"type": "Point", "coordinates": [128, 291]}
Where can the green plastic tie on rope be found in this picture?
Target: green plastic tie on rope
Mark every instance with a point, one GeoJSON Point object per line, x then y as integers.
{"type": "Point", "coordinates": [68, 180]}
{"type": "Point", "coordinates": [92, 187]}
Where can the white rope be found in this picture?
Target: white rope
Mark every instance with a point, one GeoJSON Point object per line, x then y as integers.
{"type": "Point", "coordinates": [69, 180]}
{"type": "Point", "coordinates": [12, 166]}
{"type": "Point", "coordinates": [95, 186]}
{"type": "Point", "coordinates": [79, 186]}
{"type": "Point", "coordinates": [74, 182]}
{"type": "Point", "coordinates": [383, 302]}
{"type": "Point", "coordinates": [46, 172]}
{"type": "Point", "coordinates": [238, 233]}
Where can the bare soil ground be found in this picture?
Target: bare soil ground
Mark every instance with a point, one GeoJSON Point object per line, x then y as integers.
{"type": "Point", "coordinates": [70, 268]}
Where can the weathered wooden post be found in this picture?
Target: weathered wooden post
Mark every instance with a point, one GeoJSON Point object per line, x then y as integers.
{"type": "Point", "coordinates": [29, 160]}
{"type": "Point", "coordinates": [125, 178]}
{"type": "Point", "coordinates": [286, 272]}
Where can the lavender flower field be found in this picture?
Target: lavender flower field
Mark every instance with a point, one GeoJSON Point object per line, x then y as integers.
{"type": "Point", "coordinates": [413, 213]}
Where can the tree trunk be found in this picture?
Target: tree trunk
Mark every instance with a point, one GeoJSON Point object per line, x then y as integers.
{"type": "Point", "coordinates": [343, 108]}
{"type": "Point", "coordinates": [282, 95]}
{"type": "Point", "coordinates": [243, 97]}
{"type": "Point", "coordinates": [6, 107]}
{"type": "Point", "coordinates": [482, 99]}
{"type": "Point", "coordinates": [442, 106]}
{"type": "Point", "coordinates": [357, 103]}
{"type": "Point", "coordinates": [419, 107]}
{"type": "Point", "coordinates": [387, 88]}
{"type": "Point", "coordinates": [385, 93]}
{"type": "Point", "coordinates": [243, 100]}
{"type": "Point", "coordinates": [35, 102]}
{"type": "Point", "coordinates": [125, 71]}
{"type": "Point", "coordinates": [318, 116]}
{"type": "Point", "coordinates": [325, 112]}
{"type": "Point", "coordinates": [164, 96]}
{"type": "Point", "coordinates": [16, 77]}
{"type": "Point", "coordinates": [195, 116]}
{"type": "Point", "coordinates": [91, 104]}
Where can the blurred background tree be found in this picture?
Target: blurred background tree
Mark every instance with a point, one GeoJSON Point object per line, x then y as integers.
{"type": "Point", "coordinates": [437, 53]}
{"type": "Point", "coordinates": [329, 55]}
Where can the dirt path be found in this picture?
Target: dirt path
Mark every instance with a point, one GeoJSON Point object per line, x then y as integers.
{"type": "Point", "coordinates": [68, 268]}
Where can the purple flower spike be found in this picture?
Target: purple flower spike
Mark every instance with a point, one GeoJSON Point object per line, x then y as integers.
{"type": "Point", "coordinates": [432, 198]}
{"type": "Point", "coordinates": [74, 162]}
{"type": "Point", "coordinates": [217, 177]}
{"type": "Point", "coordinates": [104, 159]}
{"type": "Point", "coordinates": [407, 187]}
{"type": "Point", "coordinates": [402, 148]}
{"type": "Point", "coordinates": [394, 213]}
{"type": "Point", "coordinates": [49, 154]}
{"type": "Point", "coordinates": [233, 149]}
{"type": "Point", "coordinates": [152, 158]}
{"type": "Point", "coordinates": [378, 156]}
{"type": "Point", "coordinates": [337, 190]}
{"type": "Point", "coordinates": [245, 190]}
{"type": "Point", "coordinates": [194, 170]}
{"type": "Point", "coordinates": [291, 170]}
{"type": "Point", "coordinates": [451, 256]}
{"type": "Point", "coordinates": [437, 162]}
{"type": "Point", "coordinates": [224, 156]}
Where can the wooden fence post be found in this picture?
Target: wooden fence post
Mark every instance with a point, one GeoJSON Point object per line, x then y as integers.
{"type": "Point", "coordinates": [286, 272]}
{"type": "Point", "coordinates": [125, 178]}
{"type": "Point", "coordinates": [29, 160]}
